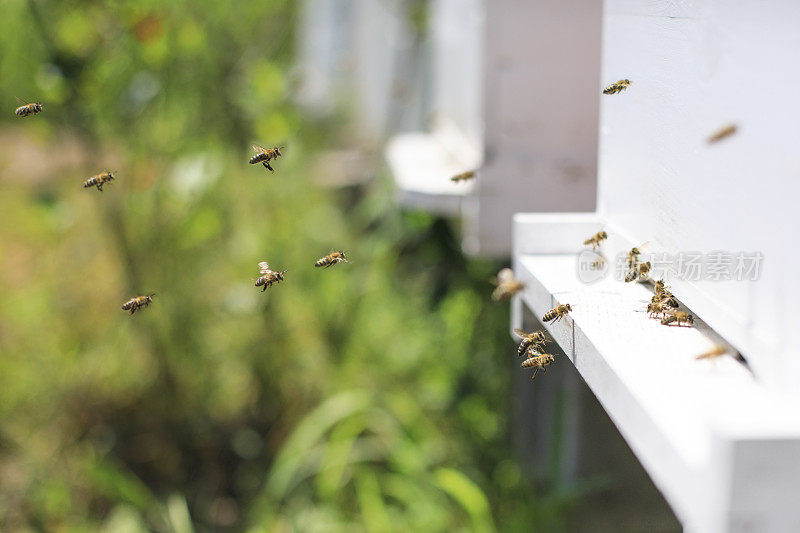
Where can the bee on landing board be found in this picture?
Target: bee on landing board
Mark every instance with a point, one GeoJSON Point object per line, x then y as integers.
{"type": "Point", "coordinates": [537, 361]}
{"type": "Point", "coordinates": [507, 285]}
{"type": "Point", "coordinates": [99, 180]}
{"type": "Point", "coordinates": [138, 302]}
{"type": "Point", "coordinates": [617, 86]}
{"type": "Point", "coordinates": [27, 109]}
{"type": "Point", "coordinates": [331, 259]}
{"type": "Point", "coordinates": [464, 176]}
{"type": "Point", "coordinates": [678, 317]}
{"type": "Point", "coordinates": [265, 155]}
{"type": "Point", "coordinates": [557, 313]}
{"type": "Point", "coordinates": [640, 272]}
{"type": "Point", "coordinates": [268, 277]}
{"type": "Point", "coordinates": [534, 340]}
{"type": "Point", "coordinates": [596, 239]}
{"type": "Point", "coordinates": [720, 134]}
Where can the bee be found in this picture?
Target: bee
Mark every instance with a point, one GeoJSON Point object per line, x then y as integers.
{"type": "Point", "coordinates": [138, 302]}
{"type": "Point", "coordinates": [99, 180]}
{"type": "Point", "coordinates": [464, 176]}
{"type": "Point", "coordinates": [596, 239]}
{"type": "Point", "coordinates": [557, 314]}
{"type": "Point", "coordinates": [265, 155]}
{"type": "Point", "coordinates": [662, 295]}
{"type": "Point", "coordinates": [268, 277]}
{"type": "Point", "coordinates": [678, 317]}
{"type": "Point", "coordinates": [714, 352]}
{"type": "Point", "coordinates": [538, 361]}
{"type": "Point", "coordinates": [331, 259]}
{"type": "Point", "coordinates": [667, 300]}
{"type": "Point", "coordinates": [507, 285]}
{"type": "Point", "coordinates": [640, 272]}
{"type": "Point", "coordinates": [617, 86]}
{"type": "Point", "coordinates": [27, 109]}
{"type": "Point", "coordinates": [633, 256]}
{"type": "Point", "coordinates": [529, 340]}
{"type": "Point", "coordinates": [726, 131]}
{"type": "Point", "coordinates": [656, 308]}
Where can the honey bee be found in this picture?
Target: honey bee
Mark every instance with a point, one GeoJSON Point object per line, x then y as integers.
{"type": "Point", "coordinates": [662, 295]}
{"type": "Point", "coordinates": [633, 256]}
{"type": "Point", "coordinates": [464, 176]}
{"type": "Point", "coordinates": [529, 340]}
{"type": "Point", "coordinates": [596, 239]}
{"type": "Point", "coordinates": [557, 314]}
{"type": "Point", "coordinates": [265, 155]}
{"type": "Point", "coordinates": [726, 131]}
{"type": "Point", "coordinates": [507, 285]}
{"type": "Point", "coordinates": [640, 272]}
{"type": "Point", "coordinates": [27, 109]}
{"type": "Point", "coordinates": [331, 259]}
{"type": "Point", "coordinates": [268, 277]}
{"type": "Point", "coordinates": [617, 86]}
{"type": "Point", "coordinates": [99, 180]}
{"type": "Point", "coordinates": [714, 352]}
{"type": "Point", "coordinates": [538, 361]}
{"type": "Point", "coordinates": [138, 302]}
{"type": "Point", "coordinates": [656, 308]}
{"type": "Point", "coordinates": [678, 317]}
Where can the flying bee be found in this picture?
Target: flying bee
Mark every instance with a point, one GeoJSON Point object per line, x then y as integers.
{"type": "Point", "coordinates": [529, 340]}
{"type": "Point", "coordinates": [507, 285]}
{"type": "Point", "coordinates": [27, 109]}
{"type": "Point", "coordinates": [538, 361]}
{"type": "Point", "coordinates": [99, 180]}
{"type": "Point", "coordinates": [557, 313]}
{"type": "Point", "coordinates": [268, 277]}
{"type": "Point", "coordinates": [331, 259]}
{"type": "Point", "coordinates": [713, 353]}
{"type": "Point", "coordinates": [464, 176]}
{"type": "Point", "coordinates": [678, 317]}
{"type": "Point", "coordinates": [138, 302]}
{"type": "Point", "coordinates": [265, 155]}
{"type": "Point", "coordinates": [633, 256]}
{"type": "Point", "coordinates": [640, 272]}
{"type": "Point", "coordinates": [720, 134]}
{"type": "Point", "coordinates": [596, 239]}
{"type": "Point", "coordinates": [617, 86]}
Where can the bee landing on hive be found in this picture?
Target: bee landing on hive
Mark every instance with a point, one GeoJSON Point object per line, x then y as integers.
{"type": "Point", "coordinates": [557, 313]}
{"type": "Point", "coordinates": [617, 86]}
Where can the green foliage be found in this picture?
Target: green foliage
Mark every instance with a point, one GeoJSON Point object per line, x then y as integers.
{"type": "Point", "coordinates": [372, 395]}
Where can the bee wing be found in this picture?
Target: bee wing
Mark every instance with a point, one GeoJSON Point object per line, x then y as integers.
{"type": "Point", "coordinates": [263, 267]}
{"type": "Point", "coordinates": [258, 149]}
{"type": "Point", "coordinates": [520, 332]}
{"type": "Point", "coordinates": [20, 100]}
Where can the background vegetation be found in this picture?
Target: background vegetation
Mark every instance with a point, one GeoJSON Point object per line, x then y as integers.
{"type": "Point", "coordinates": [373, 395]}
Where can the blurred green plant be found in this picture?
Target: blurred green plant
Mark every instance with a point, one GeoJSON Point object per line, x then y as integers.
{"type": "Point", "coordinates": [373, 395]}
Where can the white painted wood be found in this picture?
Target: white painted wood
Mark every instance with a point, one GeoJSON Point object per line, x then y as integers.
{"type": "Point", "coordinates": [518, 80]}
{"type": "Point", "coordinates": [723, 447]}
{"type": "Point", "coordinates": [696, 66]}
